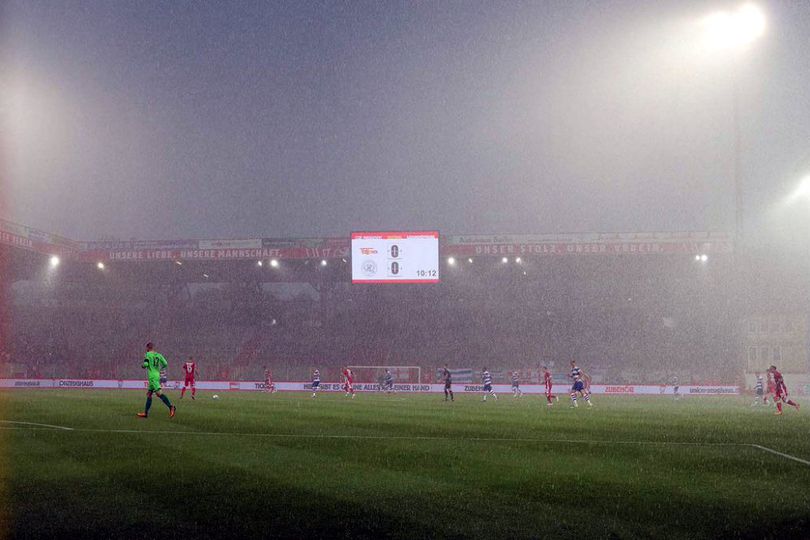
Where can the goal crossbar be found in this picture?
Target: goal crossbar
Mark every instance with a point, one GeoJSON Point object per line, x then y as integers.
{"type": "Point", "coordinates": [416, 368]}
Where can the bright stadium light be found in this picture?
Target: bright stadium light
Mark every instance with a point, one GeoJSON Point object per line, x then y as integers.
{"type": "Point", "coordinates": [323, 262]}
{"type": "Point", "coordinates": [451, 261]}
{"type": "Point", "coordinates": [469, 260]}
{"type": "Point", "coordinates": [274, 263]}
{"type": "Point", "coordinates": [733, 29]}
{"type": "Point", "coordinates": [178, 263]}
{"type": "Point", "coordinates": [260, 263]}
{"type": "Point", "coordinates": [100, 265]}
{"type": "Point", "coordinates": [802, 192]}
{"type": "Point", "coordinates": [205, 276]}
{"type": "Point", "coordinates": [518, 260]}
{"type": "Point", "coordinates": [505, 260]}
{"type": "Point", "coordinates": [697, 258]}
{"type": "Point", "coordinates": [55, 261]}
{"type": "Point", "coordinates": [704, 258]}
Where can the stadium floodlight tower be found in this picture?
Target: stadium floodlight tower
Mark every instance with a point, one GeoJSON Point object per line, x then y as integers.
{"type": "Point", "coordinates": [730, 32]}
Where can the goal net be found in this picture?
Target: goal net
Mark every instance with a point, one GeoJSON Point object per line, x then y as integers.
{"type": "Point", "coordinates": [376, 374]}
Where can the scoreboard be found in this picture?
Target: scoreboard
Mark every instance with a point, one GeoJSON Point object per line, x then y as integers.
{"type": "Point", "coordinates": [395, 257]}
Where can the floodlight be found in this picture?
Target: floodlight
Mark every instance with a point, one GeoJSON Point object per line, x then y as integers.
{"type": "Point", "coordinates": [733, 29]}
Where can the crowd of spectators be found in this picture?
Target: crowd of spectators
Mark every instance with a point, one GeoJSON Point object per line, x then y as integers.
{"type": "Point", "coordinates": [627, 319]}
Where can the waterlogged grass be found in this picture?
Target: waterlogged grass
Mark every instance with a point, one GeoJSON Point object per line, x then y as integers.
{"type": "Point", "coordinates": [285, 465]}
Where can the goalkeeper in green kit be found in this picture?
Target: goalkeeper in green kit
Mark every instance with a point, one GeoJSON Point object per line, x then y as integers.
{"type": "Point", "coordinates": [153, 363]}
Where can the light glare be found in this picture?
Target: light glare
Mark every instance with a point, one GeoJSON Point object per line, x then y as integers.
{"type": "Point", "coordinates": [451, 261]}
{"type": "Point", "coordinates": [55, 261]}
{"type": "Point", "coordinates": [733, 29]}
{"type": "Point", "coordinates": [274, 263]}
{"type": "Point", "coordinates": [100, 265]}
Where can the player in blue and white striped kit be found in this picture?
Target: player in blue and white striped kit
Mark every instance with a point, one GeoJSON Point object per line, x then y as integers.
{"type": "Point", "coordinates": [578, 377]}
{"type": "Point", "coordinates": [516, 391]}
{"type": "Point", "coordinates": [759, 390]}
{"type": "Point", "coordinates": [316, 382]}
{"type": "Point", "coordinates": [486, 379]}
{"type": "Point", "coordinates": [388, 385]}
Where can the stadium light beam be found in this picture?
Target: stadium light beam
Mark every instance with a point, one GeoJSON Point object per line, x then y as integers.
{"type": "Point", "coordinates": [323, 262]}
{"type": "Point", "coordinates": [260, 263]}
{"type": "Point", "coordinates": [470, 260]}
{"type": "Point", "coordinates": [518, 260]}
{"type": "Point", "coordinates": [100, 265]}
{"type": "Point", "coordinates": [55, 261]}
{"type": "Point", "coordinates": [451, 261]}
{"type": "Point", "coordinates": [505, 260]}
{"type": "Point", "coordinates": [274, 263]}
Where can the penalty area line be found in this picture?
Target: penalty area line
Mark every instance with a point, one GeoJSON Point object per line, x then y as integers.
{"type": "Point", "coordinates": [49, 426]}
{"type": "Point", "coordinates": [780, 454]}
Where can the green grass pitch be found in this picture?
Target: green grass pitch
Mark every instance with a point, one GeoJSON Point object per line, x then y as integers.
{"type": "Point", "coordinates": [400, 466]}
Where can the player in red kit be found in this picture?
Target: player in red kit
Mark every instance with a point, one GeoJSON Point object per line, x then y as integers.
{"type": "Point", "coordinates": [549, 384]}
{"type": "Point", "coordinates": [268, 381]}
{"type": "Point", "coordinates": [348, 379]}
{"type": "Point", "coordinates": [190, 371]}
{"type": "Point", "coordinates": [781, 393]}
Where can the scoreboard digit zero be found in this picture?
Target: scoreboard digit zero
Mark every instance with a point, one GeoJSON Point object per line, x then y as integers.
{"type": "Point", "coordinates": [395, 257]}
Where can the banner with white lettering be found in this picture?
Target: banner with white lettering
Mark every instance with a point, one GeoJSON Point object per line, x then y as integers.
{"type": "Point", "coordinates": [560, 389]}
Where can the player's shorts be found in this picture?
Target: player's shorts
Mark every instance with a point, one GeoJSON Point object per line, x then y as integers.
{"type": "Point", "coordinates": [447, 385]}
{"type": "Point", "coordinates": [781, 393]}
{"type": "Point", "coordinates": [548, 390]}
{"type": "Point", "coordinates": [579, 386]}
{"type": "Point", "coordinates": [487, 388]}
{"type": "Point", "coordinates": [189, 381]}
{"type": "Point", "coordinates": [316, 384]}
{"type": "Point", "coordinates": [515, 385]}
{"type": "Point", "coordinates": [760, 391]}
{"type": "Point", "coordinates": [153, 385]}
{"type": "Point", "coordinates": [675, 389]}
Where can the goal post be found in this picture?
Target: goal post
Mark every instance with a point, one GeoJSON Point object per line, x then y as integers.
{"type": "Point", "coordinates": [376, 374]}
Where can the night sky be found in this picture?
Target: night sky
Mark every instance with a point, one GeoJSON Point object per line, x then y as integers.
{"type": "Point", "coordinates": [200, 120]}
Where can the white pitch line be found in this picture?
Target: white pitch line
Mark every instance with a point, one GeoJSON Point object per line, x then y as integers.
{"type": "Point", "coordinates": [403, 437]}
{"type": "Point", "coordinates": [51, 426]}
{"type": "Point", "coordinates": [786, 456]}
{"type": "Point", "coordinates": [398, 437]}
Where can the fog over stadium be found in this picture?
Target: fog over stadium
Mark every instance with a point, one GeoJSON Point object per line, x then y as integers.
{"type": "Point", "coordinates": [153, 119]}
{"type": "Point", "coordinates": [427, 269]}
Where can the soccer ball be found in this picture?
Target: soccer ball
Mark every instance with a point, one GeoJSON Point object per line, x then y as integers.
{"type": "Point", "coordinates": [215, 396]}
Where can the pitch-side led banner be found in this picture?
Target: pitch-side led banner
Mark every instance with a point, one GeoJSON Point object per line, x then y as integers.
{"type": "Point", "coordinates": [562, 390]}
